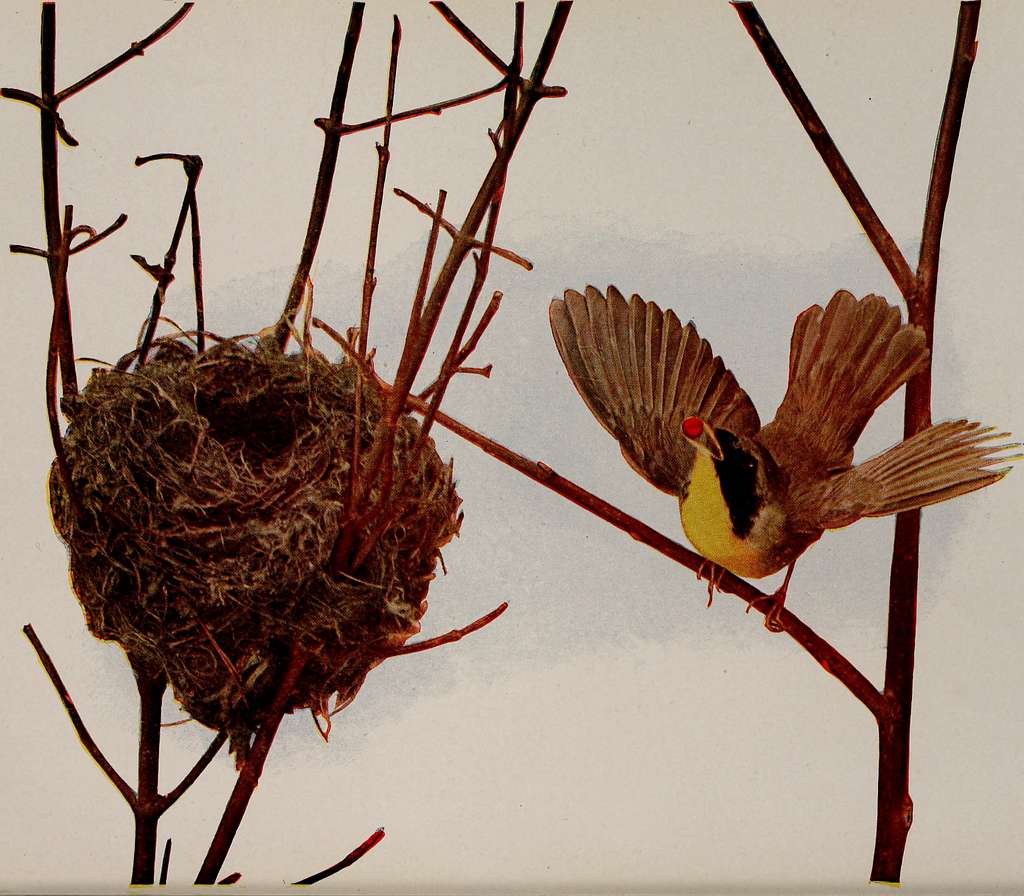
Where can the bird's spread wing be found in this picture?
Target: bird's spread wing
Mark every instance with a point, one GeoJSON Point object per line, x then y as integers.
{"type": "Point", "coordinates": [845, 360]}
{"type": "Point", "coordinates": [642, 373]}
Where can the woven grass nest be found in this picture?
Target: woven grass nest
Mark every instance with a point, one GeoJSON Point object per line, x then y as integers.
{"type": "Point", "coordinates": [213, 488]}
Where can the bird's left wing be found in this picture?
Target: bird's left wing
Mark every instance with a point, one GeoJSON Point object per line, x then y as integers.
{"type": "Point", "coordinates": [641, 373]}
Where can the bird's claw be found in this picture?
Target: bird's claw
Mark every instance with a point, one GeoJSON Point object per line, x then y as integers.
{"type": "Point", "coordinates": [713, 578]}
{"type": "Point", "coordinates": [773, 614]}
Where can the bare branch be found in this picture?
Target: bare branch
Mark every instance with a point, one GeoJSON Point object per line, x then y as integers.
{"type": "Point", "coordinates": [165, 862]}
{"type": "Point", "coordinates": [138, 48]}
{"type": "Point", "coordinates": [102, 235]}
{"type": "Point", "coordinates": [76, 720]}
{"type": "Point", "coordinates": [895, 807]}
{"type": "Point", "coordinates": [432, 109]}
{"type": "Point", "coordinates": [353, 857]}
{"type": "Point", "coordinates": [324, 178]}
{"type": "Point", "coordinates": [470, 36]}
{"type": "Point", "coordinates": [174, 795]}
{"type": "Point", "coordinates": [830, 659]}
{"type": "Point", "coordinates": [164, 274]}
{"type": "Point", "coordinates": [252, 768]}
{"type": "Point", "coordinates": [880, 238]}
{"type": "Point", "coordinates": [449, 637]}
{"type": "Point", "coordinates": [453, 232]}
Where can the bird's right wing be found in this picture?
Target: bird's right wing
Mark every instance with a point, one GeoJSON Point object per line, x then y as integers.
{"type": "Point", "coordinates": [642, 373]}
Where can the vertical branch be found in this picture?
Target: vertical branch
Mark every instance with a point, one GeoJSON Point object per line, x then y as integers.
{"type": "Point", "coordinates": [197, 272]}
{"type": "Point", "coordinates": [148, 805]}
{"type": "Point", "coordinates": [895, 807]}
{"type": "Point", "coordinates": [383, 157]}
{"type": "Point", "coordinates": [324, 178]}
{"type": "Point", "coordinates": [369, 277]}
{"type": "Point", "coordinates": [51, 199]}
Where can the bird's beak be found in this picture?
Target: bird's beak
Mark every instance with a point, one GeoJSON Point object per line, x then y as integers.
{"type": "Point", "coordinates": [707, 443]}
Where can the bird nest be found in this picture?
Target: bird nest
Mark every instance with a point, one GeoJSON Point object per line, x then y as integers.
{"type": "Point", "coordinates": [213, 489]}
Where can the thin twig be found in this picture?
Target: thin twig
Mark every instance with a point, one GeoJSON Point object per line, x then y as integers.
{"type": "Point", "coordinates": [431, 109]}
{"type": "Point", "coordinates": [97, 237]}
{"type": "Point", "coordinates": [324, 179]}
{"type": "Point", "coordinates": [165, 863]}
{"type": "Point", "coordinates": [895, 807]}
{"type": "Point", "coordinates": [383, 157]}
{"type": "Point", "coordinates": [174, 795]}
{"type": "Point", "coordinates": [369, 275]}
{"type": "Point", "coordinates": [880, 238]}
{"type": "Point", "coordinates": [470, 37]}
{"type": "Point", "coordinates": [453, 232]}
{"type": "Point", "coordinates": [137, 48]}
{"type": "Point", "coordinates": [361, 850]}
{"type": "Point", "coordinates": [76, 719]}
{"type": "Point", "coordinates": [164, 274]}
{"type": "Point", "coordinates": [449, 637]}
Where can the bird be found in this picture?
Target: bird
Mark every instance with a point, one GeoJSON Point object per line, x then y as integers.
{"type": "Point", "coordinates": [753, 498]}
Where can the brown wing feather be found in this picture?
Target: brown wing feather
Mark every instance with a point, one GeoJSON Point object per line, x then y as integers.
{"type": "Point", "coordinates": [641, 373]}
{"type": "Point", "coordinates": [845, 360]}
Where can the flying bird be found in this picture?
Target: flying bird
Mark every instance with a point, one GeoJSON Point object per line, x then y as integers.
{"type": "Point", "coordinates": [753, 498]}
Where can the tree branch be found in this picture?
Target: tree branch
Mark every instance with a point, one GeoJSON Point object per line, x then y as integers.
{"type": "Point", "coordinates": [252, 768]}
{"type": "Point", "coordinates": [880, 238]}
{"type": "Point", "coordinates": [164, 274]}
{"type": "Point", "coordinates": [174, 795]}
{"type": "Point", "coordinates": [138, 48]}
{"type": "Point", "coordinates": [76, 720]}
{"type": "Point", "coordinates": [895, 807]}
{"type": "Point", "coordinates": [324, 179]}
{"type": "Point", "coordinates": [449, 637]}
{"type": "Point", "coordinates": [353, 857]}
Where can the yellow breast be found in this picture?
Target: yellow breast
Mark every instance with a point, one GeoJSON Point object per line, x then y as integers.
{"type": "Point", "coordinates": [708, 526]}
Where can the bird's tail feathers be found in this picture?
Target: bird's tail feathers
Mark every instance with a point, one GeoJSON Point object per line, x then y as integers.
{"type": "Point", "coordinates": [939, 463]}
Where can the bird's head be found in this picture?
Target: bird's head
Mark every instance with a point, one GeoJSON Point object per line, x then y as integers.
{"type": "Point", "coordinates": [701, 435]}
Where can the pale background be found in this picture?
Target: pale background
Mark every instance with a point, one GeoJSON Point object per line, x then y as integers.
{"type": "Point", "coordinates": [609, 732]}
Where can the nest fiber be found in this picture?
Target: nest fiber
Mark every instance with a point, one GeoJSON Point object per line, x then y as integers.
{"type": "Point", "coordinates": [213, 490]}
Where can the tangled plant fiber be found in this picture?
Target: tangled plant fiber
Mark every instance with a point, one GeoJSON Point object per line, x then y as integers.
{"type": "Point", "coordinates": [213, 491]}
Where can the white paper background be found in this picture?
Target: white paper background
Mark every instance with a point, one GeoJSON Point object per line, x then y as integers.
{"type": "Point", "coordinates": [608, 733]}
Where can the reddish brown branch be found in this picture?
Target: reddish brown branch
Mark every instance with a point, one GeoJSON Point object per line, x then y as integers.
{"type": "Point", "coordinates": [148, 803]}
{"type": "Point", "coordinates": [202, 762]}
{"type": "Point", "coordinates": [470, 37]}
{"type": "Point", "coordinates": [895, 807]}
{"type": "Point", "coordinates": [164, 274]}
{"type": "Point", "coordinates": [165, 862]}
{"type": "Point", "coordinates": [138, 48]}
{"type": "Point", "coordinates": [76, 719]}
{"type": "Point", "coordinates": [324, 180]}
{"type": "Point", "coordinates": [453, 232]}
{"type": "Point", "coordinates": [431, 109]}
{"type": "Point", "coordinates": [830, 659]}
{"type": "Point", "coordinates": [252, 768]}
{"type": "Point", "coordinates": [880, 238]}
{"type": "Point", "coordinates": [361, 850]}
{"type": "Point", "coordinates": [449, 637]}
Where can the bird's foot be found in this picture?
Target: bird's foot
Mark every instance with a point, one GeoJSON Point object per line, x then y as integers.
{"type": "Point", "coordinates": [713, 575]}
{"type": "Point", "coordinates": [774, 612]}
{"type": "Point", "coordinates": [773, 616]}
